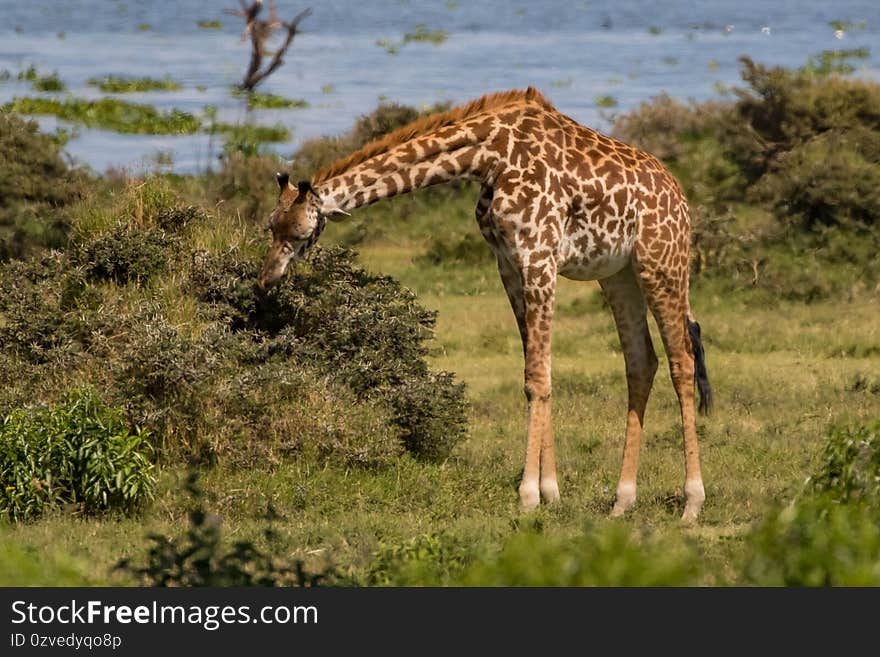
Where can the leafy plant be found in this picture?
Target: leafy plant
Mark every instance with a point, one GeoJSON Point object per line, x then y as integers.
{"type": "Point", "coordinates": [79, 452]}
{"type": "Point", "coordinates": [849, 468]}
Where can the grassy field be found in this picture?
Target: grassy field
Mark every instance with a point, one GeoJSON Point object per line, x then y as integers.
{"type": "Point", "coordinates": [782, 375]}
{"type": "Point", "coordinates": [786, 295]}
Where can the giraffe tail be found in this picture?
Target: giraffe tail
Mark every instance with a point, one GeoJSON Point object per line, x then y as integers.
{"type": "Point", "coordinates": [701, 375]}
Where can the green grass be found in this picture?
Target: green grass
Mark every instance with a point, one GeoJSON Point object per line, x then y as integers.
{"type": "Point", "coordinates": [121, 85]}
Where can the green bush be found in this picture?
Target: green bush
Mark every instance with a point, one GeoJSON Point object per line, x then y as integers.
{"type": "Point", "coordinates": [830, 534]}
{"type": "Point", "coordinates": [329, 366]}
{"type": "Point", "coordinates": [606, 555]}
{"type": "Point", "coordinates": [79, 452]}
{"type": "Point", "coordinates": [364, 331]}
{"type": "Point", "coordinates": [36, 185]}
{"type": "Point", "coordinates": [461, 250]}
{"type": "Point", "coordinates": [849, 469]}
{"type": "Point", "coordinates": [834, 178]}
{"type": "Point", "coordinates": [125, 254]}
{"type": "Point", "coordinates": [815, 542]}
{"type": "Point", "coordinates": [426, 560]}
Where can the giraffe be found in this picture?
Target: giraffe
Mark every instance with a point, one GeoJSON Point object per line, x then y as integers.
{"type": "Point", "coordinates": [556, 199]}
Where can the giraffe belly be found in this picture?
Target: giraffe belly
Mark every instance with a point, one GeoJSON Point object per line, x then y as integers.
{"type": "Point", "coordinates": [595, 268]}
{"type": "Point", "coordinates": [591, 256]}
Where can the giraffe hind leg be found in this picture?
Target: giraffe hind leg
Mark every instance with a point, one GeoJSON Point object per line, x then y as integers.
{"type": "Point", "coordinates": [666, 292]}
{"type": "Point", "coordinates": [627, 303]}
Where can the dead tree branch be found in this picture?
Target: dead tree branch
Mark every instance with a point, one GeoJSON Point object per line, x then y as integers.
{"type": "Point", "coordinates": [259, 31]}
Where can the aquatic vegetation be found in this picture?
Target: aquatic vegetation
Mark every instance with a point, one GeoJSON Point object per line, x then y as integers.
{"type": "Point", "coordinates": [253, 132]}
{"type": "Point", "coordinates": [422, 34]}
{"type": "Point", "coordinates": [655, 31]}
{"type": "Point", "coordinates": [121, 84]}
{"type": "Point", "coordinates": [248, 138]}
{"type": "Point", "coordinates": [110, 114]}
{"type": "Point", "coordinates": [210, 25]}
{"type": "Point", "coordinates": [256, 100]}
{"type": "Point", "coordinates": [606, 101]}
{"type": "Point", "coordinates": [48, 82]}
{"type": "Point", "coordinates": [390, 46]}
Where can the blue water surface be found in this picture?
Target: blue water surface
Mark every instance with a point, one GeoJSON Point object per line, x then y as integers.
{"type": "Point", "coordinates": [579, 53]}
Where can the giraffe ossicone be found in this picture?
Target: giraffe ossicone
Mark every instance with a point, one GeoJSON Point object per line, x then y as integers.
{"type": "Point", "coordinates": [557, 198]}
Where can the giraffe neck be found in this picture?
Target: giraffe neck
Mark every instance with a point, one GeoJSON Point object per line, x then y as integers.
{"type": "Point", "coordinates": [451, 154]}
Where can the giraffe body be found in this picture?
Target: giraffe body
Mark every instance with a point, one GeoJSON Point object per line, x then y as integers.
{"type": "Point", "coordinates": [557, 199]}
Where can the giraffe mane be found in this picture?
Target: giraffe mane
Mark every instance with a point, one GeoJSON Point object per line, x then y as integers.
{"type": "Point", "coordinates": [428, 124]}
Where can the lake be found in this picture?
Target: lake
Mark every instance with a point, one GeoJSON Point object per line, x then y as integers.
{"type": "Point", "coordinates": [592, 59]}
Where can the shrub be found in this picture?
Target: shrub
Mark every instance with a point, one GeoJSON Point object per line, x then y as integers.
{"type": "Point", "coordinates": [609, 555]}
{"type": "Point", "coordinates": [361, 330]}
{"type": "Point", "coordinates": [466, 250]}
{"type": "Point", "coordinates": [35, 186]}
{"type": "Point", "coordinates": [328, 366]}
{"type": "Point", "coordinates": [125, 254]}
{"type": "Point", "coordinates": [849, 469]}
{"type": "Point", "coordinates": [834, 178]}
{"type": "Point", "coordinates": [426, 560]}
{"type": "Point", "coordinates": [815, 542]}
{"type": "Point", "coordinates": [79, 452]}
{"type": "Point", "coordinates": [804, 145]}
{"type": "Point", "coordinates": [830, 535]}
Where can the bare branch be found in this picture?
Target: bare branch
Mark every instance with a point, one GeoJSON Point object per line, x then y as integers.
{"type": "Point", "coordinates": [259, 32]}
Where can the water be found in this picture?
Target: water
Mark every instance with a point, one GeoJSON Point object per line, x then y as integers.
{"type": "Point", "coordinates": [575, 52]}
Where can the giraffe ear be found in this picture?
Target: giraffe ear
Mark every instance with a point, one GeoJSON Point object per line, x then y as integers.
{"type": "Point", "coordinates": [304, 187]}
{"type": "Point", "coordinates": [282, 179]}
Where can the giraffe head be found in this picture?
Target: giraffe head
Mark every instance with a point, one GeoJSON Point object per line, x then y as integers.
{"type": "Point", "coordinates": [296, 223]}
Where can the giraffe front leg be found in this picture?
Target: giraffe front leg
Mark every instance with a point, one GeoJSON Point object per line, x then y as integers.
{"type": "Point", "coordinates": [539, 474]}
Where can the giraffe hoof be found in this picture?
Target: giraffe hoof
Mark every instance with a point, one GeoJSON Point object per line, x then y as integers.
{"type": "Point", "coordinates": [626, 497]}
{"type": "Point", "coordinates": [695, 496]}
{"type": "Point", "coordinates": [691, 513]}
{"type": "Point", "coordinates": [550, 491]}
{"type": "Point", "coordinates": [529, 497]}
